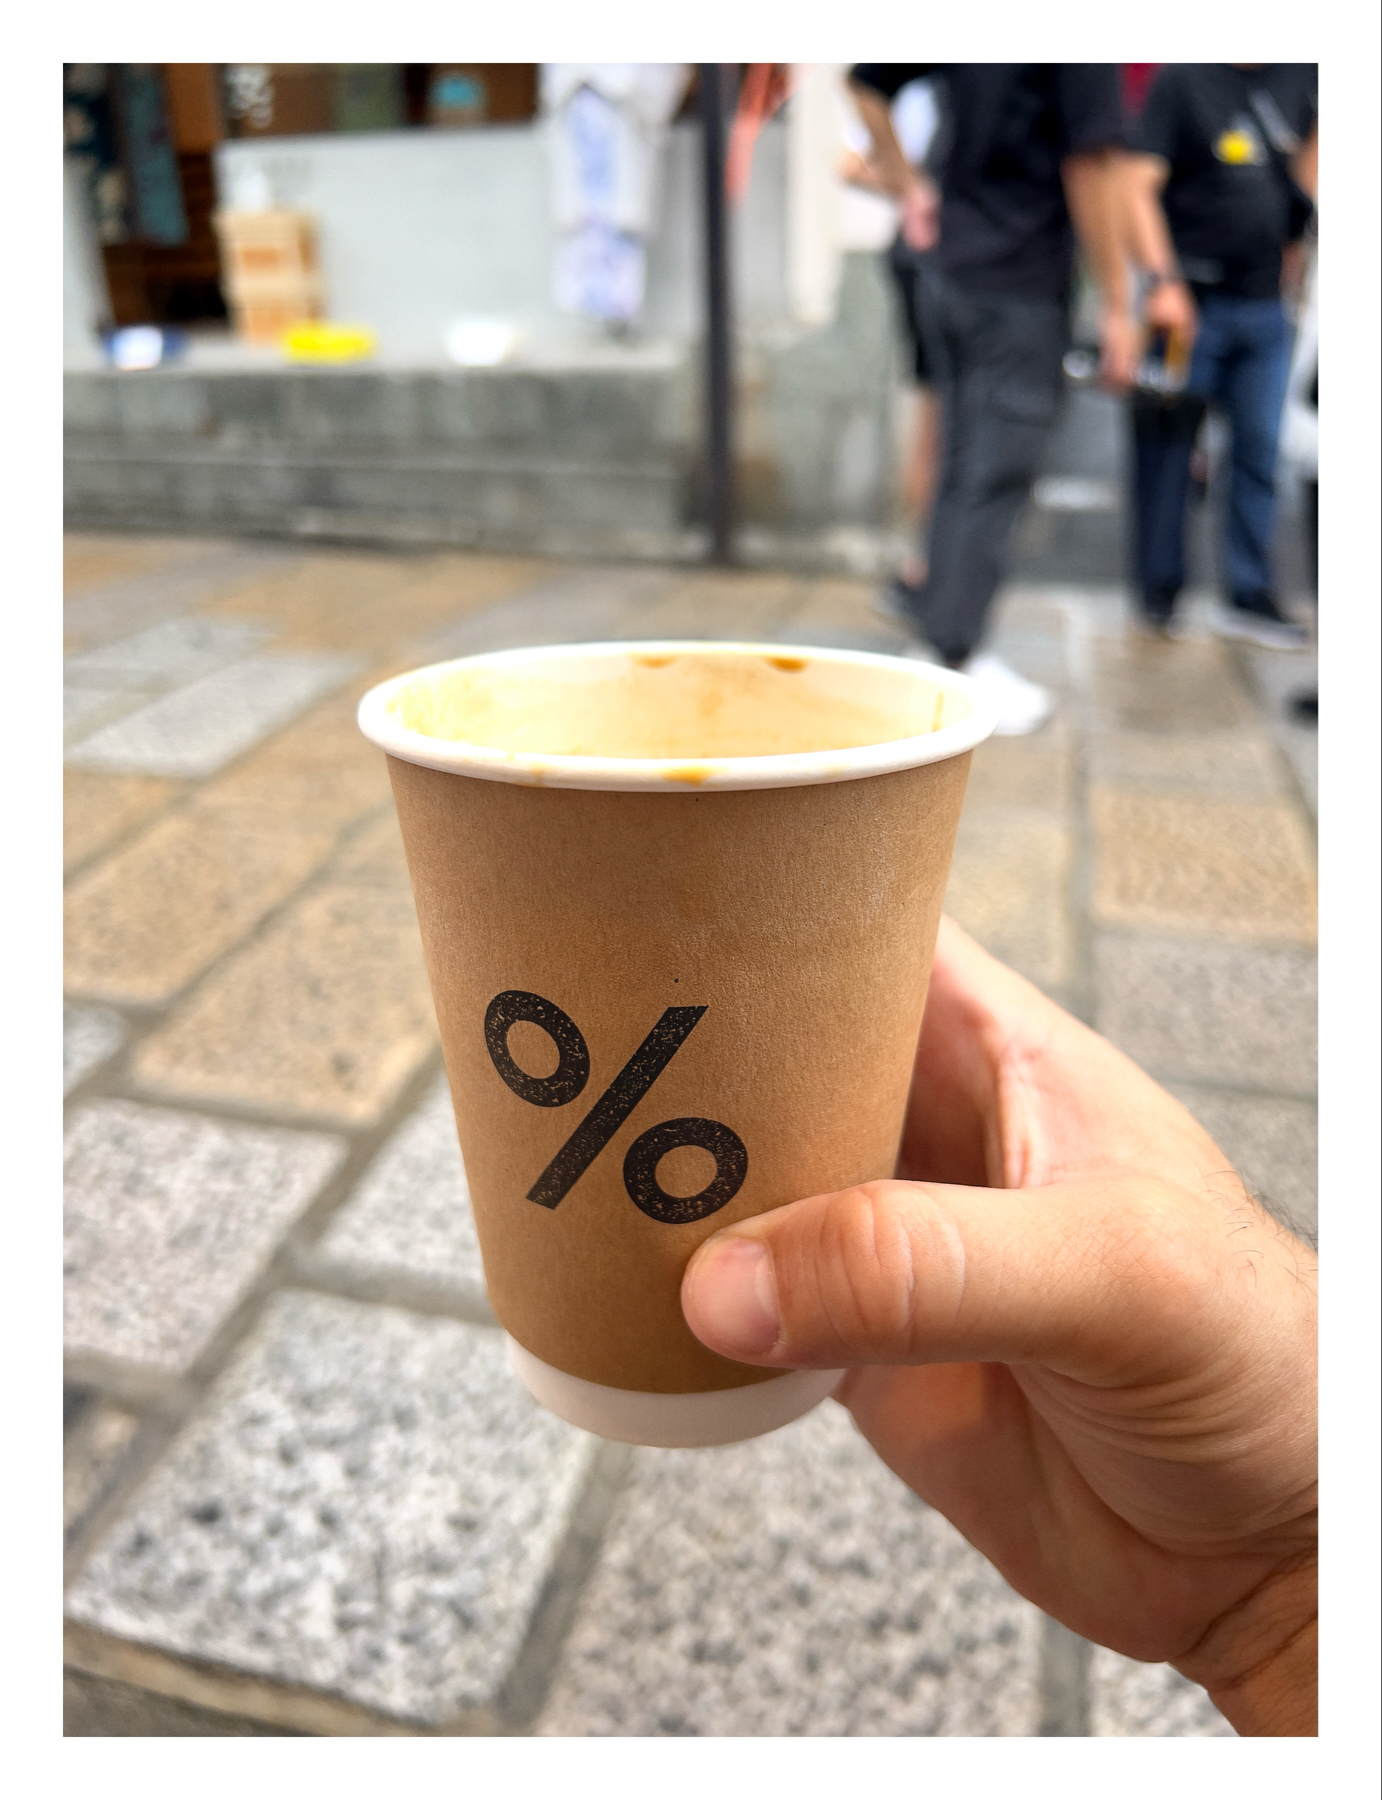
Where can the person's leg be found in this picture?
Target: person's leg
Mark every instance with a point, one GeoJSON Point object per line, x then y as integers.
{"type": "Point", "coordinates": [1163, 443]}
{"type": "Point", "coordinates": [915, 275]}
{"type": "Point", "coordinates": [1000, 407]}
{"type": "Point", "coordinates": [1254, 389]}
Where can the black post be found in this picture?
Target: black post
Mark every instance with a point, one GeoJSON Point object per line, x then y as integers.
{"type": "Point", "coordinates": [719, 464]}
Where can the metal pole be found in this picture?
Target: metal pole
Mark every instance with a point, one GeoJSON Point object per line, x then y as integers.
{"type": "Point", "coordinates": [719, 463]}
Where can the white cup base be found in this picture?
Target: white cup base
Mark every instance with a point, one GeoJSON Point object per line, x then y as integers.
{"type": "Point", "coordinates": [672, 1421]}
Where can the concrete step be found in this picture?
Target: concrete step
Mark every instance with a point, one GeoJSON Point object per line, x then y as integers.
{"type": "Point", "coordinates": [585, 460]}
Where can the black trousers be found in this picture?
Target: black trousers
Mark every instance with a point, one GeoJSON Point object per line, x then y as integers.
{"type": "Point", "coordinates": [1163, 437]}
{"type": "Point", "coordinates": [998, 363]}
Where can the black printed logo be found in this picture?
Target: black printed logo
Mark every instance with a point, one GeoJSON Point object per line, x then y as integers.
{"type": "Point", "coordinates": [609, 1112]}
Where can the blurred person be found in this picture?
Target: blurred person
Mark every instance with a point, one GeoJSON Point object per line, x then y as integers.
{"type": "Point", "coordinates": [1069, 1328]}
{"type": "Point", "coordinates": [916, 121]}
{"type": "Point", "coordinates": [1030, 167]}
{"type": "Point", "coordinates": [1219, 194]}
{"type": "Point", "coordinates": [1300, 451]}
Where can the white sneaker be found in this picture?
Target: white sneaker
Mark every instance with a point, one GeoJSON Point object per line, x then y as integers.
{"type": "Point", "coordinates": [1020, 705]}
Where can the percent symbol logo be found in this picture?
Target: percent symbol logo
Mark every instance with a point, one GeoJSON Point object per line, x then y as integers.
{"type": "Point", "coordinates": [567, 1081]}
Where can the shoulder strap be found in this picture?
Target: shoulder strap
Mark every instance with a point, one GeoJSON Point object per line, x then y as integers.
{"type": "Point", "coordinates": [1282, 143]}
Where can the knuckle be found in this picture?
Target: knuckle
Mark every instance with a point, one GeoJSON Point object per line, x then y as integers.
{"type": "Point", "coordinates": [872, 1241]}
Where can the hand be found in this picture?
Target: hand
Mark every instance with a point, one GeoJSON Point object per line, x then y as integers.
{"type": "Point", "coordinates": [1170, 307]}
{"type": "Point", "coordinates": [1120, 350]}
{"type": "Point", "coordinates": [921, 214]}
{"type": "Point", "coordinates": [1293, 263]}
{"type": "Point", "coordinates": [1072, 1331]}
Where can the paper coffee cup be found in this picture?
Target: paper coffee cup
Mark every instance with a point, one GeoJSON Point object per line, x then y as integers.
{"type": "Point", "coordinates": [678, 903]}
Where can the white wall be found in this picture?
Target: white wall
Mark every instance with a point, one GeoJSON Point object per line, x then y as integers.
{"type": "Point", "coordinates": [420, 227]}
{"type": "Point", "coordinates": [85, 302]}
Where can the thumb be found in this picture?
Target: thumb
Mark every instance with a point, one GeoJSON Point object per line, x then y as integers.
{"type": "Point", "coordinates": [1103, 1279]}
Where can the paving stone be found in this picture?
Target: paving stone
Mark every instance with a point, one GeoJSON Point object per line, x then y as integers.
{"type": "Point", "coordinates": [1008, 887]}
{"type": "Point", "coordinates": [166, 655]}
{"type": "Point", "coordinates": [368, 1504]}
{"type": "Point", "coordinates": [1273, 1144]}
{"type": "Point", "coordinates": [152, 915]}
{"type": "Point", "coordinates": [1134, 1699]}
{"type": "Point", "coordinates": [197, 729]}
{"type": "Point", "coordinates": [146, 596]}
{"type": "Point", "coordinates": [1277, 679]}
{"type": "Point", "coordinates": [96, 559]}
{"type": "Point", "coordinates": [1237, 763]}
{"type": "Point", "coordinates": [86, 709]}
{"type": "Point", "coordinates": [91, 1455]}
{"type": "Point", "coordinates": [374, 603]}
{"type": "Point", "coordinates": [320, 768]}
{"type": "Point", "coordinates": [410, 1214]}
{"type": "Point", "coordinates": [749, 608]}
{"type": "Point", "coordinates": [327, 1015]}
{"type": "Point", "coordinates": [90, 1036]}
{"type": "Point", "coordinates": [791, 1587]}
{"type": "Point", "coordinates": [1150, 685]}
{"type": "Point", "coordinates": [588, 604]}
{"type": "Point", "coordinates": [95, 1707]}
{"type": "Point", "coordinates": [99, 809]}
{"type": "Point", "coordinates": [374, 857]}
{"type": "Point", "coordinates": [841, 614]}
{"type": "Point", "coordinates": [1028, 772]}
{"type": "Point", "coordinates": [1240, 1015]}
{"type": "Point", "coordinates": [1187, 862]}
{"type": "Point", "coordinates": [169, 1219]}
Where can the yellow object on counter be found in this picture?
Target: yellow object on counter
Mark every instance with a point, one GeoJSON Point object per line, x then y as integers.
{"type": "Point", "coordinates": [315, 341]}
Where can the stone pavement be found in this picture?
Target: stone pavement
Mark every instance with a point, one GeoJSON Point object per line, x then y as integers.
{"type": "Point", "coordinates": [303, 1493]}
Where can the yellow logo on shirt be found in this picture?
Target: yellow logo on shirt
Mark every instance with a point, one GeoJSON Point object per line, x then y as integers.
{"type": "Point", "coordinates": [1239, 146]}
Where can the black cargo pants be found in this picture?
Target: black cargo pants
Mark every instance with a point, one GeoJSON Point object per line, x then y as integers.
{"type": "Point", "coordinates": [998, 365]}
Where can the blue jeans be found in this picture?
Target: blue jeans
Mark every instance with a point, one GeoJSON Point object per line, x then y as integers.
{"type": "Point", "coordinates": [1240, 363]}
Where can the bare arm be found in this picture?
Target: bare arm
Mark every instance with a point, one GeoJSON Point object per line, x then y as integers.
{"type": "Point", "coordinates": [1170, 306]}
{"type": "Point", "coordinates": [1306, 168]}
{"type": "Point", "coordinates": [893, 169]}
{"type": "Point", "coordinates": [917, 194]}
{"type": "Point", "coordinates": [1092, 182]}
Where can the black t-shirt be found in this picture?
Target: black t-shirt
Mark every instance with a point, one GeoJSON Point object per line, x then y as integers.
{"type": "Point", "coordinates": [1226, 134]}
{"type": "Point", "coordinates": [1008, 128]}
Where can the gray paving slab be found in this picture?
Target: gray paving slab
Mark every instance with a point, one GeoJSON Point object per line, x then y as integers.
{"type": "Point", "coordinates": [1274, 1145]}
{"type": "Point", "coordinates": [91, 1454]}
{"type": "Point", "coordinates": [86, 709]}
{"type": "Point", "coordinates": [1241, 764]}
{"type": "Point", "coordinates": [168, 654]}
{"type": "Point", "coordinates": [410, 1213]}
{"type": "Point", "coordinates": [1135, 1699]}
{"type": "Point", "coordinates": [169, 1217]}
{"type": "Point", "coordinates": [1240, 1015]}
{"type": "Point", "coordinates": [791, 1587]}
{"type": "Point", "coordinates": [585, 605]}
{"type": "Point", "coordinates": [368, 1505]}
{"type": "Point", "coordinates": [1278, 677]}
{"type": "Point", "coordinates": [118, 608]}
{"type": "Point", "coordinates": [94, 1707]}
{"type": "Point", "coordinates": [90, 1036]}
{"type": "Point", "coordinates": [197, 729]}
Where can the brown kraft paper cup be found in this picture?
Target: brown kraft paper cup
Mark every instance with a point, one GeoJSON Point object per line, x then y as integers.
{"type": "Point", "coordinates": [673, 990]}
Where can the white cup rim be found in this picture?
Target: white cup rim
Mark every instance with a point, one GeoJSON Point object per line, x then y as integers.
{"type": "Point", "coordinates": [673, 775]}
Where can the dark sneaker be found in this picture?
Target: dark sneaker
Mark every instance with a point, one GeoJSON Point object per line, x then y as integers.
{"type": "Point", "coordinates": [1257, 619]}
{"type": "Point", "coordinates": [1155, 611]}
{"type": "Point", "coordinates": [900, 601]}
{"type": "Point", "coordinates": [1305, 707]}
